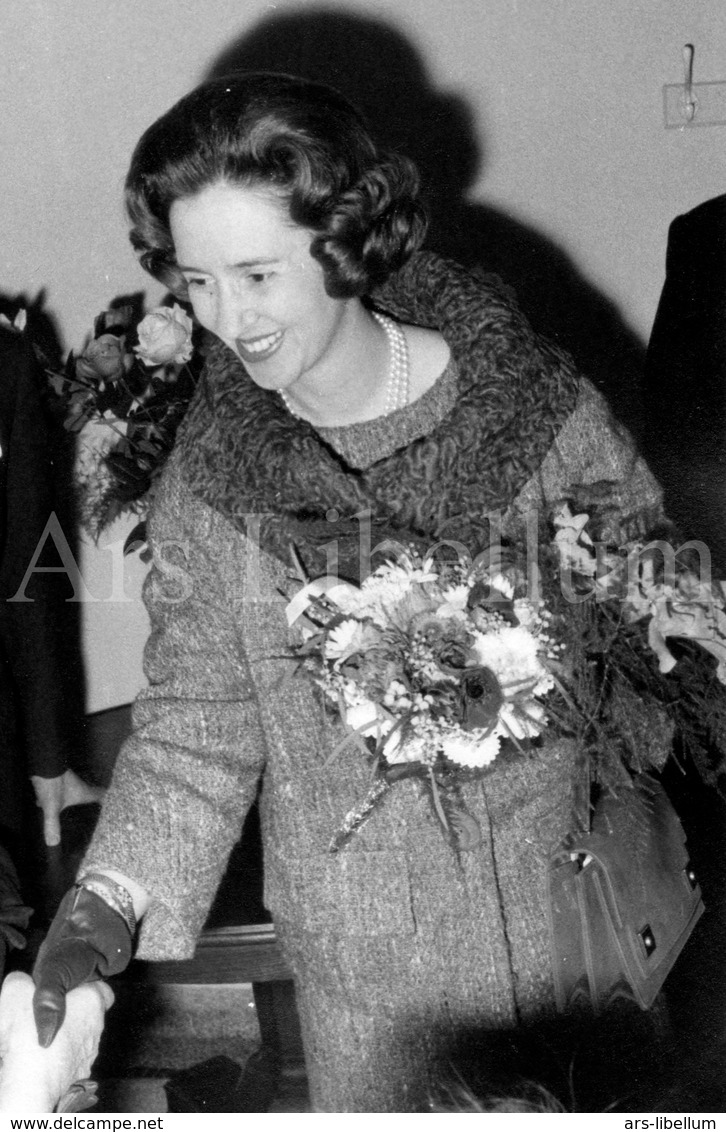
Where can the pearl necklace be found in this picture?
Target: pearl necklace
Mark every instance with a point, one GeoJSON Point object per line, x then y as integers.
{"type": "Point", "coordinates": [397, 390]}
{"type": "Point", "coordinates": [399, 370]}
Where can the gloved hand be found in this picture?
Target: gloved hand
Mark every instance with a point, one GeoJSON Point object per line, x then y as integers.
{"type": "Point", "coordinates": [87, 940]}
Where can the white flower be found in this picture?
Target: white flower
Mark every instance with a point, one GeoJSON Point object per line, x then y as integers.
{"type": "Point", "coordinates": [502, 585]}
{"type": "Point", "coordinates": [384, 588]}
{"type": "Point", "coordinates": [454, 603]}
{"type": "Point", "coordinates": [397, 696]}
{"type": "Point", "coordinates": [512, 654]}
{"type": "Point", "coordinates": [456, 595]}
{"type": "Point", "coordinates": [165, 336]}
{"type": "Point", "coordinates": [357, 602]}
{"type": "Point", "coordinates": [471, 748]}
{"type": "Point", "coordinates": [404, 572]}
{"type": "Point", "coordinates": [343, 640]}
{"type": "Point", "coordinates": [363, 717]}
{"type": "Point", "coordinates": [344, 594]}
{"type": "Point", "coordinates": [572, 542]}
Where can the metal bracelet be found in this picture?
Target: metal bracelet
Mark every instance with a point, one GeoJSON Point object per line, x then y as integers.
{"type": "Point", "coordinates": [113, 894]}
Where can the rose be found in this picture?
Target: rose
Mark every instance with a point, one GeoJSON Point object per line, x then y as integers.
{"type": "Point", "coordinates": [103, 359]}
{"type": "Point", "coordinates": [165, 336]}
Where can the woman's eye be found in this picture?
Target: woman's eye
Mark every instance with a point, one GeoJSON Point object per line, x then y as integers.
{"type": "Point", "coordinates": [259, 276]}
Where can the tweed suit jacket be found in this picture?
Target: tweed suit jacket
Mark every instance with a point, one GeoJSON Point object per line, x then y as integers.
{"type": "Point", "coordinates": [392, 930]}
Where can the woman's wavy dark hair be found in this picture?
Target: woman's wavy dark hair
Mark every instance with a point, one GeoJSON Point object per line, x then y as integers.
{"type": "Point", "coordinates": [304, 141]}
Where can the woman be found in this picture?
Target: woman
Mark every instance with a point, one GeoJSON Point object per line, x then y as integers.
{"type": "Point", "coordinates": [355, 389]}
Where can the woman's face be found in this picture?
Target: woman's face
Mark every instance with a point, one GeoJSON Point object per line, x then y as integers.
{"type": "Point", "coordinates": [253, 282]}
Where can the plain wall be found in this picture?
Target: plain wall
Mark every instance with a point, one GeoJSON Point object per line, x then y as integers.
{"type": "Point", "coordinates": [540, 120]}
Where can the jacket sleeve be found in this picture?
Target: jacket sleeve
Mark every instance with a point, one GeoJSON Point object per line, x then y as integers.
{"type": "Point", "coordinates": [684, 387]}
{"type": "Point", "coordinates": [189, 771]}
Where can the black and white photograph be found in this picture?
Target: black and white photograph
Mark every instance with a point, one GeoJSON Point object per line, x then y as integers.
{"type": "Point", "coordinates": [363, 561]}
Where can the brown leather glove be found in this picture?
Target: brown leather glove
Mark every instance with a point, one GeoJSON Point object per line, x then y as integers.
{"type": "Point", "coordinates": [87, 940]}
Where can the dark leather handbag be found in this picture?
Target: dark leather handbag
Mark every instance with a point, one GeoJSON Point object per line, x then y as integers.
{"type": "Point", "coordinates": [623, 900]}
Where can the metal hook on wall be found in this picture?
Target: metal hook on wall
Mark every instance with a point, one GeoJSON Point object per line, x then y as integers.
{"type": "Point", "coordinates": [687, 105]}
{"type": "Point", "coordinates": [690, 102]}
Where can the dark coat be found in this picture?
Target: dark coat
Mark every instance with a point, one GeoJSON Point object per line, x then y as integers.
{"type": "Point", "coordinates": [685, 378]}
{"type": "Point", "coordinates": [34, 723]}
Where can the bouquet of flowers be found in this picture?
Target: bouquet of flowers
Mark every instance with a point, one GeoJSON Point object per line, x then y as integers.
{"type": "Point", "coordinates": [435, 667]}
{"type": "Point", "coordinates": [134, 379]}
{"type": "Point", "coordinates": [432, 664]}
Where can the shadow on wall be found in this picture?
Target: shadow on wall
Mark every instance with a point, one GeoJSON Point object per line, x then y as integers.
{"type": "Point", "coordinates": [380, 71]}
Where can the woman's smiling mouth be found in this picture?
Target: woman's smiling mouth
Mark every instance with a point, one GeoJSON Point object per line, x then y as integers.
{"type": "Point", "coordinates": [258, 349]}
